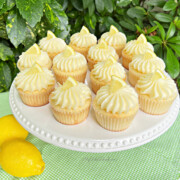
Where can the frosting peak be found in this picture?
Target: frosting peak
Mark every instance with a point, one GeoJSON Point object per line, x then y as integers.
{"type": "Point", "coordinates": [84, 30]}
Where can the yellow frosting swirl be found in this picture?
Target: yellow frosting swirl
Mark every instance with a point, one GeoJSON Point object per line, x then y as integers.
{"type": "Point", "coordinates": [52, 44]}
{"type": "Point", "coordinates": [34, 78]}
{"type": "Point", "coordinates": [101, 51]}
{"type": "Point", "coordinates": [104, 70]}
{"type": "Point", "coordinates": [83, 38]}
{"type": "Point", "coordinates": [114, 37]}
{"type": "Point", "coordinates": [117, 97]}
{"type": "Point", "coordinates": [138, 46]}
{"type": "Point", "coordinates": [26, 60]}
{"type": "Point", "coordinates": [71, 96]}
{"type": "Point", "coordinates": [156, 85]}
{"type": "Point", "coordinates": [69, 60]}
{"type": "Point", "coordinates": [147, 63]}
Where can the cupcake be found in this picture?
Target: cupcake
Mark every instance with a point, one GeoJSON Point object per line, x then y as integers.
{"type": "Point", "coordinates": [135, 47]}
{"type": "Point", "coordinates": [100, 52]}
{"type": "Point", "coordinates": [35, 85]}
{"type": "Point", "coordinates": [156, 92]}
{"type": "Point", "coordinates": [70, 63]}
{"type": "Point", "coordinates": [144, 64]}
{"type": "Point", "coordinates": [32, 55]}
{"type": "Point", "coordinates": [115, 39]}
{"type": "Point", "coordinates": [82, 41]}
{"type": "Point", "coordinates": [70, 102]}
{"type": "Point", "coordinates": [115, 105]}
{"type": "Point", "coordinates": [102, 72]}
{"type": "Point", "coordinates": [52, 45]}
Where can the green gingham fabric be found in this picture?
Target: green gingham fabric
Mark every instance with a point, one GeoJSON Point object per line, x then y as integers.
{"type": "Point", "coordinates": [157, 160]}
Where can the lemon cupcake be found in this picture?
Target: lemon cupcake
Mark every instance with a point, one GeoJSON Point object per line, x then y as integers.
{"type": "Point", "coordinates": [52, 45]}
{"type": "Point", "coordinates": [70, 63]}
{"type": "Point", "coordinates": [102, 72]}
{"type": "Point", "coordinates": [135, 47]}
{"type": "Point", "coordinates": [144, 64]}
{"type": "Point", "coordinates": [34, 85]}
{"type": "Point", "coordinates": [156, 92]}
{"type": "Point", "coordinates": [115, 39]}
{"type": "Point", "coordinates": [82, 41]}
{"type": "Point", "coordinates": [32, 55]}
{"type": "Point", "coordinates": [70, 102]}
{"type": "Point", "coordinates": [100, 52]}
{"type": "Point", "coordinates": [115, 105]}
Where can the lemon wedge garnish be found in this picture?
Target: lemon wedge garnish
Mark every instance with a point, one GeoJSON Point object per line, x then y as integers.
{"type": "Point", "coordinates": [158, 75]}
{"type": "Point", "coordinates": [70, 82]}
{"type": "Point", "coordinates": [113, 30]}
{"type": "Point", "coordinates": [141, 39]}
{"type": "Point", "coordinates": [111, 60]}
{"type": "Point", "coordinates": [102, 44]}
{"type": "Point", "coordinates": [36, 68]}
{"type": "Point", "coordinates": [116, 83]}
{"type": "Point", "coordinates": [149, 54]}
{"type": "Point", "coordinates": [50, 35]}
{"type": "Point", "coordinates": [35, 49]}
{"type": "Point", "coordinates": [68, 51]}
{"type": "Point", "coordinates": [84, 30]}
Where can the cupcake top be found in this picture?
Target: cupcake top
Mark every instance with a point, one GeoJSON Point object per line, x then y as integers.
{"type": "Point", "coordinates": [101, 51]}
{"type": "Point", "coordinates": [69, 60]}
{"type": "Point", "coordinates": [84, 38]}
{"type": "Point", "coordinates": [114, 37]}
{"type": "Point", "coordinates": [147, 62]}
{"type": "Point", "coordinates": [117, 97]}
{"type": "Point", "coordinates": [34, 79]}
{"type": "Point", "coordinates": [71, 95]}
{"type": "Point", "coordinates": [32, 55]}
{"type": "Point", "coordinates": [156, 85]}
{"type": "Point", "coordinates": [105, 69]}
{"type": "Point", "coordinates": [52, 44]}
{"type": "Point", "coordinates": [138, 46]}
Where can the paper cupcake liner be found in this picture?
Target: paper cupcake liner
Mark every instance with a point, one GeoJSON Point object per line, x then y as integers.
{"type": "Point", "coordinates": [70, 117]}
{"type": "Point", "coordinates": [83, 51]}
{"type": "Point", "coordinates": [126, 59]}
{"type": "Point", "coordinates": [114, 122]}
{"type": "Point", "coordinates": [36, 98]}
{"type": "Point", "coordinates": [91, 63]}
{"type": "Point", "coordinates": [52, 55]}
{"type": "Point", "coordinates": [78, 75]}
{"type": "Point", "coordinates": [119, 50]}
{"type": "Point", "coordinates": [155, 107]}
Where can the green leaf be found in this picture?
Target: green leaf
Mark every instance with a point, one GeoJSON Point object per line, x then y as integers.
{"type": "Point", "coordinates": [136, 12]}
{"type": "Point", "coordinates": [138, 28]}
{"type": "Point", "coordinates": [2, 3]}
{"type": "Point", "coordinates": [162, 17]}
{"type": "Point", "coordinates": [5, 52]}
{"type": "Point", "coordinates": [108, 4]}
{"type": "Point", "coordinates": [56, 16]}
{"type": "Point", "coordinates": [171, 31]}
{"type": "Point", "coordinates": [5, 76]}
{"type": "Point", "coordinates": [86, 3]}
{"type": "Point", "coordinates": [135, 2]}
{"type": "Point", "coordinates": [174, 40]}
{"type": "Point", "coordinates": [170, 5]}
{"type": "Point", "coordinates": [131, 37]}
{"type": "Point", "coordinates": [161, 29]}
{"type": "Point", "coordinates": [154, 39]}
{"type": "Point", "coordinates": [77, 4]}
{"type": "Point", "coordinates": [15, 26]}
{"type": "Point", "coordinates": [159, 3]}
{"type": "Point", "coordinates": [152, 29]}
{"type": "Point", "coordinates": [172, 64]}
{"type": "Point", "coordinates": [178, 24]}
{"type": "Point", "coordinates": [3, 33]}
{"type": "Point", "coordinates": [178, 83]}
{"type": "Point", "coordinates": [63, 3]}
{"type": "Point", "coordinates": [31, 10]}
{"type": "Point", "coordinates": [91, 8]}
{"type": "Point", "coordinates": [127, 25]}
{"type": "Point", "coordinates": [176, 48]}
{"type": "Point", "coordinates": [91, 21]}
{"type": "Point", "coordinates": [110, 21]}
{"type": "Point", "coordinates": [9, 4]}
{"type": "Point", "coordinates": [99, 5]}
{"type": "Point", "coordinates": [123, 3]}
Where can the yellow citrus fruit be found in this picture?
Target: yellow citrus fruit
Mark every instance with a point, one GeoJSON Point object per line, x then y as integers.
{"type": "Point", "coordinates": [68, 51]}
{"type": "Point", "coordinates": [11, 129]}
{"type": "Point", "coordinates": [102, 44]}
{"type": "Point", "coordinates": [141, 39]}
{"type": "Point", "coordinates": [158, 74]}
{"type": "Point", "coordinates": [21, 158]}
{"type": "Point", "coordinates": [111, 60]}
{"type": "Point", "coordinates": [35, 49]}
{"type": "Point", "coordinates": [70, 82]}
{"type": "Point", "coordinates": [116, 83]}
{"type": "Point", "coordinates": [50, 35]}
{"type": "Point", "coordinates": [113, 30]}
{"type": "Point", "coordinates": [84, 30]}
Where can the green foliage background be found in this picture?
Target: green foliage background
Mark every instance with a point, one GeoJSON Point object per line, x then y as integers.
{"type": "Point", "coordinates": [22, 23]}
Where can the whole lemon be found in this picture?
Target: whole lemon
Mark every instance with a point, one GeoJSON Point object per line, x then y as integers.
{"type": "Point", "coordinates": [11, 129]}
{"type": "Point", "coordinates": [21, 158]}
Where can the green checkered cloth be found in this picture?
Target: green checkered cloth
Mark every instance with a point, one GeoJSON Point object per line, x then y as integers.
{"type": "Point", "coordinates": [157, 160]}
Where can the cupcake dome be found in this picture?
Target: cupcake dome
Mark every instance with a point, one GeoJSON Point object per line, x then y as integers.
{"type": "Point", "coordinates": [115, 39]}
{"type": "Point", "coordinates": [34, 55]}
